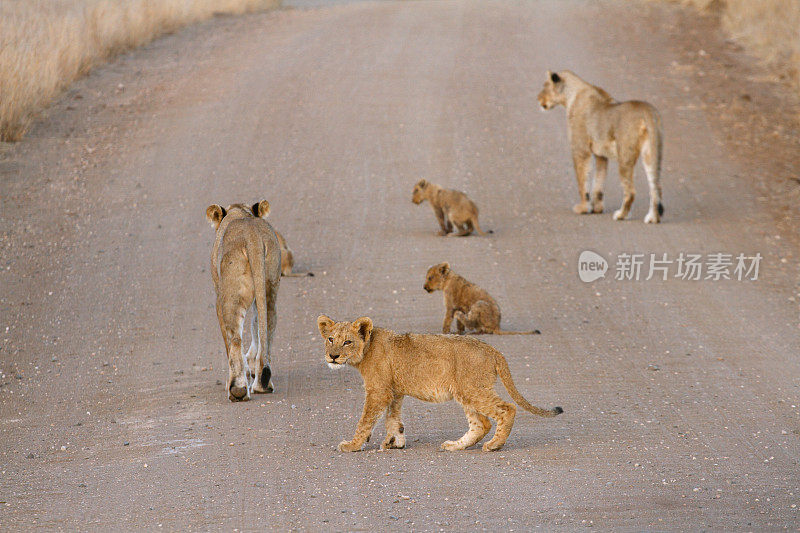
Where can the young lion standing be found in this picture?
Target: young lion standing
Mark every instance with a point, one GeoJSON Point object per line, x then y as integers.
{"type": "Point", "coordinates": [452, 208]}
{"type": "Point", "coordinates": [246, 270]}
{"type": "Point", "coordinates": [597, 124]}
{"type": "Point", "coordinates": [432, 368]}
{"type": "Point", "coordinates": [472, 307]}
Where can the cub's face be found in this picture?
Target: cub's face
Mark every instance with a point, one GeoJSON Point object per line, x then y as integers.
{"type": "Point", "coordinates": [419, 192]}
{"type": "Point", "coordinates": [434, 279]}
{"type": "Point", "coordinates": [344, 341]}
{"type": "Point", "coordinates": [552, 93]}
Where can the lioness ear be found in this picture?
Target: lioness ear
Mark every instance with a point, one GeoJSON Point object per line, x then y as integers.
{"type": "Point", "coordinates": [555, 78]}
{"type": "Point", "coordinates": [364, 327]}
{"type": "Point", "coordinates": [444, 268]}
{"type": "Point", "coordinates": [324, 324]}
{"type": "Point", "coordinates": [261, 209]}
{"type": "Point", "coordinates": [215, 213]}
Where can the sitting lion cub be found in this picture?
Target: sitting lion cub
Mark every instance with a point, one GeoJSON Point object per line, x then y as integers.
{"type": "Point", "coordinates": [246, 270]}
{"type": "Point", "coordinates": [471, 306]}
{"type": "Point", "coordinates": [452, 208]}
{"type": "Point", "coordinates": [597, 124]}
{"type": "Point", "coordinates": [432, 368]}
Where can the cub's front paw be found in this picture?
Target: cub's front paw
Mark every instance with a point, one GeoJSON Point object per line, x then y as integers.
{"type": "Point", "coordinates": [394, 441]}
{"type": "Point", "coordinates": [451, 446]}
{"type": "Point", "coordinates": [582, 208]}
{"type": "Point", "coordinates": [348, 446]}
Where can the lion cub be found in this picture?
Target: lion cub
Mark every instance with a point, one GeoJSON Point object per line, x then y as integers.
{"type": "Point", "coordinates": [471, 306]}
{"type": "Point", "coordinates": [432, 368]}
{"type": "Point", "coordinates": [287, 260]}
{"type": "Point", "coordinates": [246, 270]}
{"type": "Point", "coordinates": [599, 125]}
{"type": "Point", "coordinates": [452, 208]}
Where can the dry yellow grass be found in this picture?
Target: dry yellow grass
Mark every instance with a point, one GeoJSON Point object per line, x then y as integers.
{"type": "Point", "coordinates": [769, 29]}
{"type": "Point", "coordinates": [47, 44]}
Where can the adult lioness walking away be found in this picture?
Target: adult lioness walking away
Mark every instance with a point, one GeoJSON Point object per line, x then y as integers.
{"type": "Point", "coordinates": [246, 270]}
{"type": "Point", "coordinates": [474, 310]}
{"type": "Point", "coordinates": [597, 124]}
{"type": "Point", "coordinates": [432, 368]}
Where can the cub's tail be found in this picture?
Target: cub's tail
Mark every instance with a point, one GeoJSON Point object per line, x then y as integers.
{"type": "Point", "coordinates": [507, 332]}
{"type": "Point", "coordinates": [505, 376]}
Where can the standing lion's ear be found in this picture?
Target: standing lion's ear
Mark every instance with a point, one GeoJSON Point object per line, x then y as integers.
{"type": "Point", "coordinates": [215, 213]}
{"type": "Point", "coordinates": [555, 78]}
{"type": "Point", "coordinates": [444, 268]}
{"type": "Point", "coordinates": [324, 324]}
{"type": "Point", "coordinates": [363, 326]}
{"type": "Point", "coordinates": [261, 209]}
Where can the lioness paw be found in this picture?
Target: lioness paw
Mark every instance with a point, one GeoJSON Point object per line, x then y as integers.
{"type": "Point", "coordinates": [619, 215]}
{"type": "Point", "coordinates": [348, 446]}
{"type": "Point", "coordinates": [582, 208]}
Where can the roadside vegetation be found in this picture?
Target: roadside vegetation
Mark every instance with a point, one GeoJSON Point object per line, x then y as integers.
{"type": "Point", "coordinates": [46, 44]}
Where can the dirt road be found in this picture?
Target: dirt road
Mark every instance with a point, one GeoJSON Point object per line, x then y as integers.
{"type": "Point", "coordinates": [681, 397]}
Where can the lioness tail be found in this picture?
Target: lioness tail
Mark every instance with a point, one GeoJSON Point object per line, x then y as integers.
{"type": "Point", "coordinates": [505, 376]}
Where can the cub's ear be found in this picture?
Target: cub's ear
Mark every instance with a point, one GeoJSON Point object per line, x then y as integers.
{"type": "Point", "coordinates": [363, 326]}
{"type": "Point", "coordinates": [555, 78]}
{"type": "Point", "coordinates": [444, 268]}
{"type": "Point", "coordinates": [324, 324]}
{"type": "Point", "coordinates": [422, 183]}
{"type": "Point", "coordinates": [261, 209]}
{"type": "Point", "coordinates": [215, 213]}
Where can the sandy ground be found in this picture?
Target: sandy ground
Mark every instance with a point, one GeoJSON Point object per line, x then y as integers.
{"type": "Point", "coordinates": [681, 397]}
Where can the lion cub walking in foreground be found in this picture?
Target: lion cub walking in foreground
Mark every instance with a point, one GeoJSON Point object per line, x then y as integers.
{"type": "Point", "coordinates": [432, 368]}
{"type": "Point", "coordinates": [597, 124]}
{"type": "Point", "coordinates": [472, 307]}
{"type": "Point", "coordinates": [453, 209]}
{"type": "Point", "coordinates": [246, 269]}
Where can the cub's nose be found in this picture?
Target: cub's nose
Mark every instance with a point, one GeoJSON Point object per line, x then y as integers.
{"type": "Point", "coordinates": [334, 357]}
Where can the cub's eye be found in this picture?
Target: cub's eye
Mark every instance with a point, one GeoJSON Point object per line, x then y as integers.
{"type": "Point", "coordinates": [345, 343]}
{"type": "Point", "coordinates": [330, 339]}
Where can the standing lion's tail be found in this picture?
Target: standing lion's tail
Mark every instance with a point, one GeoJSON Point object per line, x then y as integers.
{"type": "Point", "coordinates": [505, 376]}
{"type": "Point", "coordinates": [507, 332]}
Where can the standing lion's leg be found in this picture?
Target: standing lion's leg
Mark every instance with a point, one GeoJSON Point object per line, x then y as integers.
{"type": "Point", "coordinates": [479, 426]}
{"type": "Point", "coordinates": [237, 371]}
{"type": "Point", "coordinates": [626, 177]}
{"type": "Point", "coordinates": [394, 427]}
{"type": "Point", "coordinates": [600, 172]}
{"type": "Point", "coordinates": [651, 168]}
{"type": "Point", "coordinates": [374, 405]}
{"type": "Point", "coordinates": [263, 371]}
{"type": "Point", "coordinates": [491, 405]}
{"type": "Point", "coordinates": [582, 162]}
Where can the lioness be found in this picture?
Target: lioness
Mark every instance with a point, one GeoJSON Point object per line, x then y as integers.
{"type": "Point", "coordinates": [597, 124]}
{"type": "Point", "coordinates": [471, 306]}
{"type": "Point", "coordinates": [287, 259]}
{"type": "Point", "coordinates": [452, 208]}
{"type": "Point", "coordinates": [246, 269]}
{"type": "Point", "coordinates": [432, 368]}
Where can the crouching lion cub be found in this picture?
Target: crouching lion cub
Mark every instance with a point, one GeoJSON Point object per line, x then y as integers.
{"type": "Point", "coordinates": [246, 270]}
{"type": "Point", "coordinates": [432, 368]}
{"type": "Point", "coordinates": [452, 208]}
{"type": "Point", "coordinates": [472, 307]}
{"type": "Point", "coordinates": [597, 124]}
{"type": "Point", "coordinates": [287, 260]}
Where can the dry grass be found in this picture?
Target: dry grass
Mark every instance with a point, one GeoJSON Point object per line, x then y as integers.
{"type": "Point", "coordinates": [47, 44]}
{"type": "Point", "coordinates": [769, 29]}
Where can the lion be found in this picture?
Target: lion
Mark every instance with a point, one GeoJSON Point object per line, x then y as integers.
{"type": "Point", "coordinates": [246, 270]}
{"type": "Point", "coordinates": [287, 259]}
{"type": "Point", "coordinates": [432, 368]}
{"type": "Point", "coordinates": [597, 124]}
{"type": "Point", "coordinates": [453, 209]}
{"type": "Point", "coordinates": [472, 307]}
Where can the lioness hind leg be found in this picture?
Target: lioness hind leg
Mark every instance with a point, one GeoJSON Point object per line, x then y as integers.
{"type": "Point", "coordinates": [502, 412]}
{"type": "Point", "coordinates": [651, 168]}
{"type": "Point", "coordinates": [237, 385]}
{"type": "Point", "coordinates": [263, 372]}
{"type": "Point", "coordinates": [601, 170]}
{"type": "Point", "coordinates": [479, 426]}
{"type": "Point", "coordinates": [626, 177]}
{"type": "Point", "coordinates": [252, 352]}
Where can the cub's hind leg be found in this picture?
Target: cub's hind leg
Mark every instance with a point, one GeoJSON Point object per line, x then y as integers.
{"type": "Point", "coordinates": [478, 318]}
{"type": "Point", "coordinates": [491, 405]}
{"type": "Point", "coordinates": [479, 426]}
{"type": "Point", "coordinates": [394, 427]}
